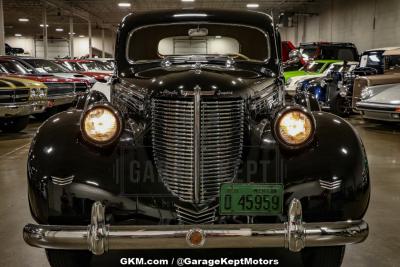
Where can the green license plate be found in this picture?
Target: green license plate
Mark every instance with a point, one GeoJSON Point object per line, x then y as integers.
{"type": "Point", "coordinates": [251, 199]}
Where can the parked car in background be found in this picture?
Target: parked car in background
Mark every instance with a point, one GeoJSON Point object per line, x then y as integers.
{"type": "Point", "coordinates": [90, 68]}
{"type": "Point", "coordinates": [43, 66]}
{"type": "Point", "coordinates": [329, 50]}
{"type": "Point", "coordinates": [380, 98]}
{"type": "Point", "coordinates": [334, 90]}
{"type": "Point", "coordinates": [196, 150]}
{"type": "Point", "coordinates": [375, 59]}
{"type": "Point", "coordinates": [13, 50]}
{"type": "Point", "coordinates": [312, 69]}
{"type": "Point", "coordinates": [390, 74]}
{"type": "Point", "coordinates": [381, 102]}
{"type": "Point", "coordinates": [60, 91]}
{"type": "Point", "coordinates": [20, 98]}
{"type": "Point", "coordinates": [322, 50]}
{"type": "Point", "coordinates": [287, 47]}
{"type": "Point", "coordinates": [109, 63]}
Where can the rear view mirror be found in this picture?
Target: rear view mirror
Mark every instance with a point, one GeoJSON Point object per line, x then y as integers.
{"type": "Point", "coordinates": [198, 32]}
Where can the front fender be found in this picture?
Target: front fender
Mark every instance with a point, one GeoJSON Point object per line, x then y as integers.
{"type": "Point", "coordinates": [331, 177]}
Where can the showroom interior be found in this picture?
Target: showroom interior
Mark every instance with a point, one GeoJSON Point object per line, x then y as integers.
{"type": "Point", "coordinates": [337, 66]}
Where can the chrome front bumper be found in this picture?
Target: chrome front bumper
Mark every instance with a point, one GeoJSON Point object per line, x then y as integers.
{"type": "Point", "coordinates": [377, 111]}
{"type": "Point", "coordinates": [22, 109]}
{"type": "Point", "coordinates": [61, 100]}
{"type": "Point", "coordinates": [99, 237]}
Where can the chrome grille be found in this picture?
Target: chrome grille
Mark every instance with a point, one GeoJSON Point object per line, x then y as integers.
{"type": "Point", "coordinates": [59, 89]}
{"type": "Point", "coordinates": [190, 216]}
{"type": "Point", "coordinates": [14, 96]}
{"type": "Point", "coordinates": [81, 87]}
{"type": "Point", "coordinates": [220, 139]}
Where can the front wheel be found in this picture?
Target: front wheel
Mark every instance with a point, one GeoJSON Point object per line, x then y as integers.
{"type": "Point", "coordinates": [68, 258]}
{"type": "Point", "coordinates": [14, 125]}
{"type": "Point", "coordinates": [323, 256]}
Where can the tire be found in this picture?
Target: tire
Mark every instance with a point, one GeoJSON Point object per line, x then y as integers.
{"type": "Point", "coordinates": [323, 256]}
{"type": "Point", "coordinates": [338, 107]}
{"type": "Point", "coordinates": [68, 258]}
{"type": "Point", "coordinates": [14, 125]}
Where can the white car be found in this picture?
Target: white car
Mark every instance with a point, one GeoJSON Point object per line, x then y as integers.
{"type": "Point", "coordinates": [381, 102]}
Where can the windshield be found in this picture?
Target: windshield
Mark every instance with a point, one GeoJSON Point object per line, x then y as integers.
{"type": "Point", "coordinates": [308, 53]}
{"type": "Point", "coordinates": [341, 67]}
{"type": "Point", "coordinates": [46, 66]}
{"type": "Point", "coordinates": [93, 66]}
{"type": "Point", "coordinates": [72, 66]}
{"type": "Point", "coordinates": [372, 59]}
{"type": "Point", "coordinates": [393, 62]}
{"type": "Point", "coordinates": [161, 41]}
{"type": "Point", "coordinates": [313, 67]}
{"type": "Point", "coordinates": [14, 67]}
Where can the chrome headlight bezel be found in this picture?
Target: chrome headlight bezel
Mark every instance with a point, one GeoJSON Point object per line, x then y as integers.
{"type": "Point", "coordinates": [118, 119]}
{"type": "Point", "coordinates": [277, 127]}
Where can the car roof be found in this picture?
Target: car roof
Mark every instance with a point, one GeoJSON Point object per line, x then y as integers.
{"type": "Point", "coordinates": [382, 49]}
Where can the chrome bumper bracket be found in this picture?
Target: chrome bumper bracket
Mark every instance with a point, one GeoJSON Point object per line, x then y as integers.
{"type": "Point", "coordinates": [99, 237]}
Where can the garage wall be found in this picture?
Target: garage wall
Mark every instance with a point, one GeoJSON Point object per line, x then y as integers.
{"type": "Point", "coordinates": [367, 23]}
{"type": "Point", "coordinates": [81, 45]}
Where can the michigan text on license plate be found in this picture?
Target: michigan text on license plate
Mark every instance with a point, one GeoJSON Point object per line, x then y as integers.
{"type": "Point", "coordinates": [251, 199]}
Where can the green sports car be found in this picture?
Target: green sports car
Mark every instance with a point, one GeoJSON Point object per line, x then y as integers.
{"type": "Point", "coordinates": [311, 68]}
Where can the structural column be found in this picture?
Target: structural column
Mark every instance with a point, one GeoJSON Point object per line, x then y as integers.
{"type": "Point", "coordinates": [90, 38]}
{"type": "Point", "coordinates": [103, 52]}
{"type": "Point", "coordinates": [2, 40]}
{"type": "Point", "coordinates": [71, 37]}
{"type": "Point", "coordinates": [45, 44]}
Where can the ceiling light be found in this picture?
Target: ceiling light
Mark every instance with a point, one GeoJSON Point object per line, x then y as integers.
{"type": "Point", "coordinates": [218, 37]}
{"type": "Point", "coordinates": [18, 35]}
{"type": "Point", "coordinates": [187, 0]}
{"type": "Point", "coordinates": [124, 4]}
{"type": "Point", "coordinates": [23, 20]}
{"type": "Point", "coordinates": [81, 36]}
{"type": "Point", "coordinates": [41, 25]}
{"type": "Point", "coordinates": [71, 33]}
{"type": "Point", "coordinates": [59, 30]}
{"type": "Point", "coordinates": [253, 5]}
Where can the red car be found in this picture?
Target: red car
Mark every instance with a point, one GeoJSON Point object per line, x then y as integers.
{"type": "Point", "coordinates": [61, 91]}
{"type": "Point", "coordinates": [92, 68]}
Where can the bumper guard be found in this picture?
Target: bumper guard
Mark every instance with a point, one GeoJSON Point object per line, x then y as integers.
{"type": "Point", "coordinates": [98, 237]}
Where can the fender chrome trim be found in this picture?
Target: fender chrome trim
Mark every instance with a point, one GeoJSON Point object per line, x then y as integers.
{"type": "Point", "coordinates": [99, 237]}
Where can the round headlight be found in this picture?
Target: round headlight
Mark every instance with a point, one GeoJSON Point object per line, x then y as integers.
{"type": "Point", "coordinates": [294, 127]}
{"type": "Point", "coordinates": [101, 125]}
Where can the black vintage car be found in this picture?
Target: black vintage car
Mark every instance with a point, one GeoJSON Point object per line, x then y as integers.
{"type": "Point", "coordinates": [196, 149]}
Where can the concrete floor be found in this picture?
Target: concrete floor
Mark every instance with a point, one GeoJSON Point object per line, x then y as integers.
{"type": "Point", "coordinates": [381, 248]}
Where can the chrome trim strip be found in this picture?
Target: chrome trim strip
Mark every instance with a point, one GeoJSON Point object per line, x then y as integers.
{"type": "Point", "coordinates": [99, 237]}
{"type": "Point", "coordinates": [197, 140]}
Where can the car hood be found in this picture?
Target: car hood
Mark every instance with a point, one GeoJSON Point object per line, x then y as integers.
{"type": "Point", "coordinates": [19, 82]}
{"type": "Point", "coordinates": [177, 79]}
{"type": "Point", "coordinates": [291, 74]}
{"type": "Point", "coordinates": [74, 76]}
{"type": "Point", "coordinates": [385, 94]}
{"type": "Point", "coordinates": [42, 78]}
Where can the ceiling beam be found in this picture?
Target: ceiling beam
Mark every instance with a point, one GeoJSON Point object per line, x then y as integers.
{"type": "Point", "coordinates": [77, 12]}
